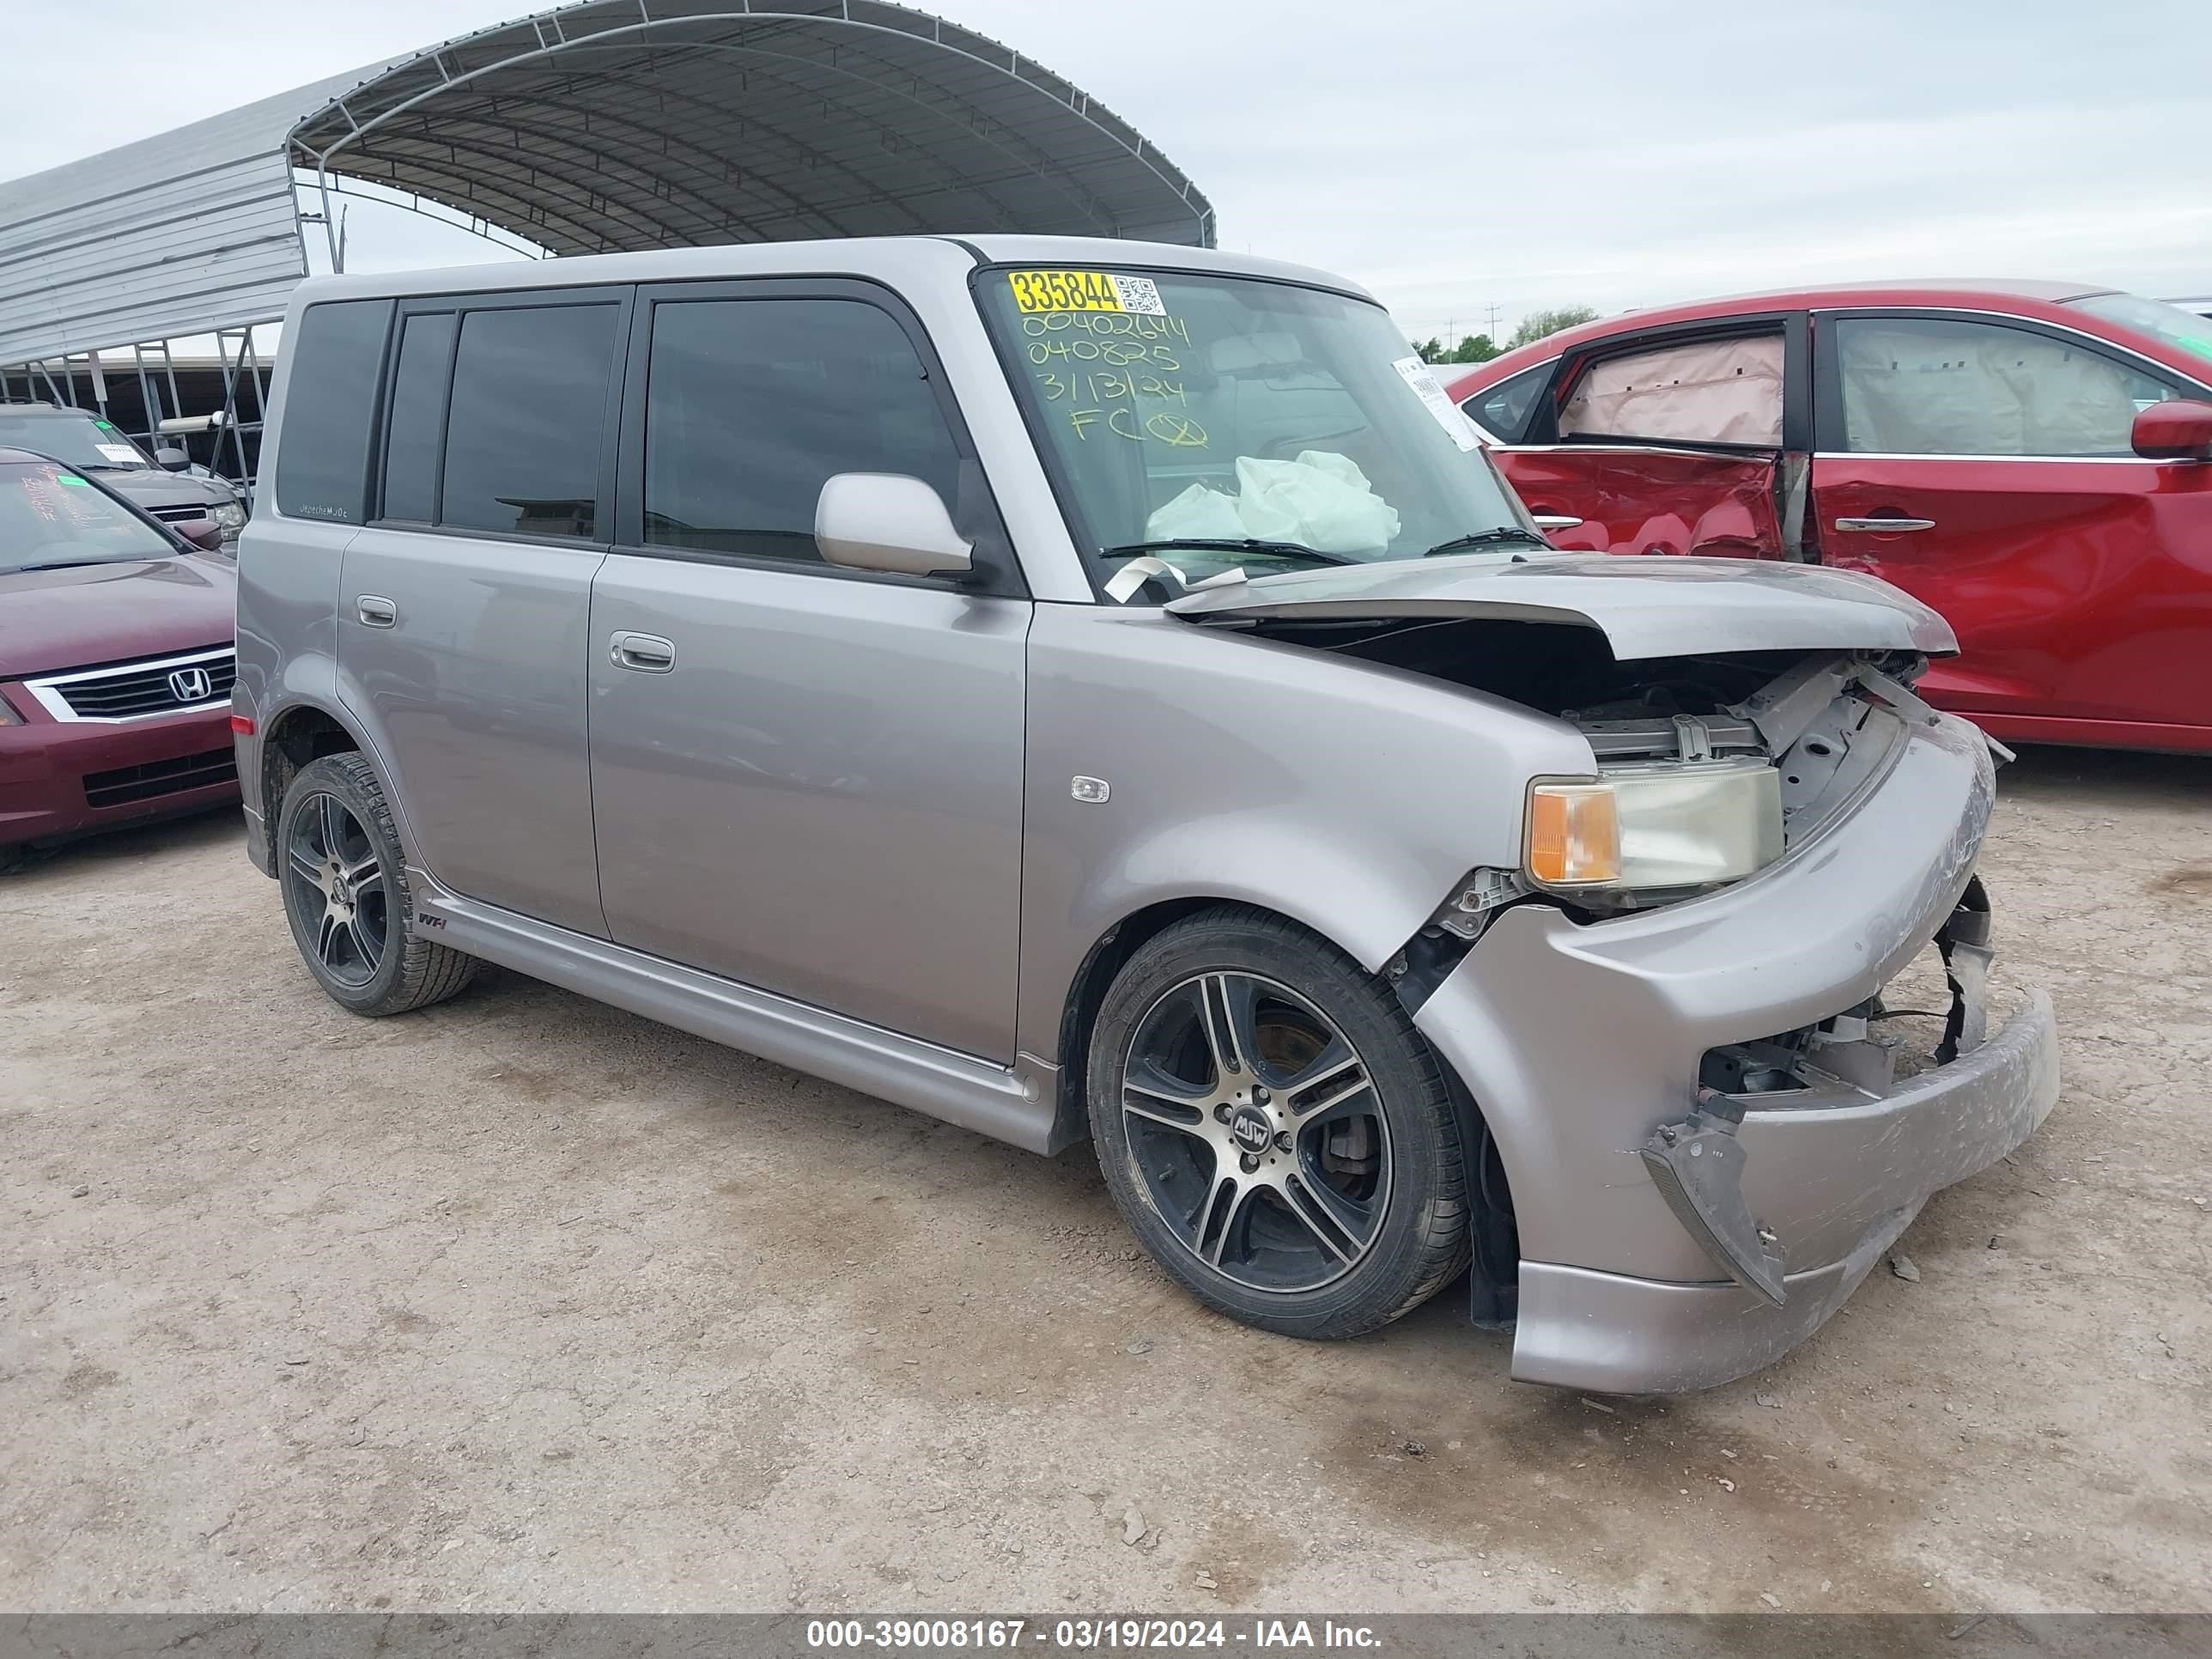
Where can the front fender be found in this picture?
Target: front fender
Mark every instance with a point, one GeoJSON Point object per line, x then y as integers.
{"type": "Point", "coordinates": [1347, 796]}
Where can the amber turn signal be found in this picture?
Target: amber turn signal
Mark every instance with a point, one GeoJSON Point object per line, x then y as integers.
{"type": "Point", "coordinates": [1574, 834]}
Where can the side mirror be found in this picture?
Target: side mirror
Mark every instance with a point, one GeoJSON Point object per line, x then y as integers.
{"type": "Point", "coordinates": [887, 521]}
{"type": "Point", "coordinates": [2177, 431]}
{"type": "Point", "coordinates": [170, 458]}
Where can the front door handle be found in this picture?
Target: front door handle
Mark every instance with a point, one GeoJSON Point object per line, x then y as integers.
{"type": "Point", "coordinates": [375, 613]}
{"type": "Point", "coordinates": [1554, 521]}
{"type": "Point", "coordinates": [1885, 526]}
{"type": "Point", "coordinates": [648, 653]}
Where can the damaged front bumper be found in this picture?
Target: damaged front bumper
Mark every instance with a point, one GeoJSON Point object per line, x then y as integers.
{"type": "Point", "coordinates": [1585, 1045]}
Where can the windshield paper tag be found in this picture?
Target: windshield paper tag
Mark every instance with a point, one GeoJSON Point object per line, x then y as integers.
{"type": "Point", "coordinates": [122, 453]}
{"type": "Point", "coordinates": [1415, 374]}
{"type": "Point", "coordinates": [1084, 290]}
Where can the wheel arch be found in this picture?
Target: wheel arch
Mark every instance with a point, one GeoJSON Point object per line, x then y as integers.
{"type": "Point", "coordinates": [299, 734]}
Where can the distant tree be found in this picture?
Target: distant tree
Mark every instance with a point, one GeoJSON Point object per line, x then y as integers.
{"type": "Point", "coordinates": [1537, 324]}
{"type": "Point", "coordinates": [1474, 349]}
{"type": "Point", "coordinates": [1431, 351]}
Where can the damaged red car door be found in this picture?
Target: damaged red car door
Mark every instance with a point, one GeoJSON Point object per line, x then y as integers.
{"type": "Point", "coordinates": [1669, 441]}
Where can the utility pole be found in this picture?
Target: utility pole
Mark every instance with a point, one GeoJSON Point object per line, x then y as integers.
{"type": "Point", "coordinates": [1494, 340]}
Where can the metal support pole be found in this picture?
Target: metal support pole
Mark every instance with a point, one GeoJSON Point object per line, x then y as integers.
{"type": "Point", "coordinates": [330, 217]}
{"type": "Point", "coordinates": [149, 401]}
{"type": "Point", "coordinates": [230, 401]}
{"type": "Point", "coordinates": [176, 397]}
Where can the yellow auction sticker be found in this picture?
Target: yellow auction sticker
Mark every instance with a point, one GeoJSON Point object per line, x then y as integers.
{"type": "Point", "coordinates": [1084, 290]}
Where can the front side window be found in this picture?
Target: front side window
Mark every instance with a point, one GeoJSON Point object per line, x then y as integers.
{"type": "Point", "coordinates": [751, 406]}
{"type": "Point", "coordinates": [74, 438]}
{"type": "Point", "coordinates": [51, 518]}
{"type": "Point", "coordinates": [1942, 386]}
{"type": "Point", "coordinates": [1283, 425]}
{"type": "Point", "coordinates": [1716, 391]}
{"type": "Point", "coordinates": [525, 427]}
{"type": "Point", "coordinates": [329, 410]}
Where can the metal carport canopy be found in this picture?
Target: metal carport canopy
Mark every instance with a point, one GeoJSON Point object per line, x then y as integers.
{"type": "Point", "coordinates": [591, 128]}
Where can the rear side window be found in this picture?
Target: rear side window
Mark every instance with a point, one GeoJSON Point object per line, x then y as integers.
{"type": "Point", "coordinates": [329, 410]}
{"type": "Point", "coordinates": [1502, 411]}
{"type": "Point", "coordinates": [1725, 391]}
{"type": "Point", "coordinates": [752, 404]}
{"type": "Point", "coordinates": [525, 427]}
{"type": "Point", "coordinates": [418, 417]}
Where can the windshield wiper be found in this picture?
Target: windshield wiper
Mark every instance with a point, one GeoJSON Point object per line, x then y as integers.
{"type": "Point", "coordinates": [1505, 535]}
{"type": "Point", "coordinates": [1224, 544]}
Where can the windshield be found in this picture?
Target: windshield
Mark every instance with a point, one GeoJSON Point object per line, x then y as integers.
{"type": "Point", "coordinates": [2176, 327]}
{"type": "Point", "coordinates": [76, 439]}
{"type": "Point", "coordinates": [1216, 421]}
{"type": "Point", "coordinates": [50, 517]}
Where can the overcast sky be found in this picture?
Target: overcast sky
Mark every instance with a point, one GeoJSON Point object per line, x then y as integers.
{"type": "Point", "coordinates": [1453, 156]}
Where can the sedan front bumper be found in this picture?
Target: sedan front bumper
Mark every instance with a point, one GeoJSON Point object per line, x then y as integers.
{"type": "Point", "coordinates": [1577, 1041]}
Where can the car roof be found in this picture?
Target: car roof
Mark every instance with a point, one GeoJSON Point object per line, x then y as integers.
{"type": "Point", "coordinates": [21, 457]}
{"type": "Point", "coordinates": [893, 258]}
{"type": "Point", "coordinates": [13, 409]}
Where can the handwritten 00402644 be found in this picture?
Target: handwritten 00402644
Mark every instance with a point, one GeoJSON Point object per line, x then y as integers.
{"type": "Point", "coordinates": [1114, 373]}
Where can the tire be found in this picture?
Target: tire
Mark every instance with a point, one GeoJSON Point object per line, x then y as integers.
{"type": "Point", "coordinates": [13, 857]}
{"type": "Point", "coordinates": [351, 915]}
{"type": "Point", "coordinates": [1317, 1189]}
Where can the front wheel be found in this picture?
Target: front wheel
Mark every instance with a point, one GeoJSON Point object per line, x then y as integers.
{"type": "Point", "coordinates": [346, 895]}
{"type": "Point", "coordinates": [1274, 1130]}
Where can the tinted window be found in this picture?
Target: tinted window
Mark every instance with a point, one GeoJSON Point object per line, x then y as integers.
{"type": "Point", "coordinates": [1726, 391]}
{"type": "Point", "coordinates": [329, 410]}
{"type": "Point", "coordinates": [1504, 409]}
{"type": "Point", "coordinates": [418, 418]}
{"type": "Point", "coordinates": [752, 404]}
{"type": "Point", "coordinates": [1935, 385]}
{"type": "Point", "coordinates": [524, 432]}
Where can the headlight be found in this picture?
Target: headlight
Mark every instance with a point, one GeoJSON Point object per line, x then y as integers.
{"type": "Point", "coordinates": [1664, 825]}
{"type": "Point", "coordinates": [231, 517]}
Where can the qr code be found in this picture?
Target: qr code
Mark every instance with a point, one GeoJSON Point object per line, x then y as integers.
{"type": "Point", "coordinates": [1140, 294]}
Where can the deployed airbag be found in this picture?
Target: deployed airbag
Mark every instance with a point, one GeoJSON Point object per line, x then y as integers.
{"type": "Point", "coordinates": [1321, 500]}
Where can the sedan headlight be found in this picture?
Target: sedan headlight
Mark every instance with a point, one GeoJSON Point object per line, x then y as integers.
{"type": "Point", "coordinates": [230, 518]}
{"type": "Point", "coordinates": [1670, 824]}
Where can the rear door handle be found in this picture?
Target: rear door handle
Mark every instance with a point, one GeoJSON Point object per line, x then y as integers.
{"type": "Point", "coordinates": [375, 613]}
{"type": "Point", "coordinates": [1885, 526]}
{"type": "Point", "coordinates": [648, 653]}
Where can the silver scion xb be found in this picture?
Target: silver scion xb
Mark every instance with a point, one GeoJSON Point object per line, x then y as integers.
{"type": "Point", "coordinates": [1087, 689]}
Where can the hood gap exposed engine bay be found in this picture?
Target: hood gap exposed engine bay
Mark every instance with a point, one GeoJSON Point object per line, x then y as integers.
{"type": "Point", "coordinates": [1825, 721]}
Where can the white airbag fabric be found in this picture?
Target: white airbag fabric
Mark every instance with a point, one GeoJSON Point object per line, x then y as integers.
{"type": "Point", "coordinates": [1321, 499]}
{"type": "Point", "coordinates": [1952, 388]}
{"type": "Point", "coordinates": [1724, 392]}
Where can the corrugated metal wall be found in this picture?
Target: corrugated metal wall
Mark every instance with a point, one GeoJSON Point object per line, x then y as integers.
{"type": "Point", "coordinates": [176, 235]}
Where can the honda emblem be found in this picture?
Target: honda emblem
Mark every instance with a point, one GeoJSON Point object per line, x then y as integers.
{"type": "Point", "coordinates": [192, 685]}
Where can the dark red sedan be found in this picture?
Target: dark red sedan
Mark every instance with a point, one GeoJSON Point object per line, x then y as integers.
{"type": "Point", "coordinates": [2030, 458]}
{"type": "Point", "coordinates": [116, 661]}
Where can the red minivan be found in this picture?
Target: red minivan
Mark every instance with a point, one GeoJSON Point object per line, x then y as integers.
{"type": "Point", "coordinates": [116, 661]}
{"type": "Point", "coordinates": [2030, 458]}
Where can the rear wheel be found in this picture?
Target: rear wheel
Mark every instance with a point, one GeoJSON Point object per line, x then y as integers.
{"type": "Point", "coordinates": [1274, 1130]}
{"type": "Point", "coordinates": [346, 895]}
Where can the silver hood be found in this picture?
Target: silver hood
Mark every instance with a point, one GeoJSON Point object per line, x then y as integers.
{"type": "Point", "coordinates": [1645, 607]}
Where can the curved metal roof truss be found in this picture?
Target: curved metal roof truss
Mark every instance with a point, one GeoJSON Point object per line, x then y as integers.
{"type": "Point", "coordinates": [606, 126]}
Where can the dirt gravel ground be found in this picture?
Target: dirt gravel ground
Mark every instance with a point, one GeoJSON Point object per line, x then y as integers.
{"type": "Point", "coordinates": [523, 1302]}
